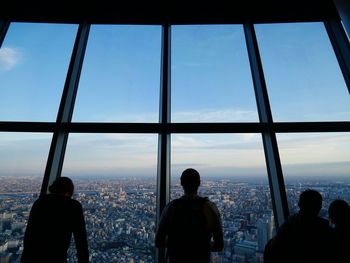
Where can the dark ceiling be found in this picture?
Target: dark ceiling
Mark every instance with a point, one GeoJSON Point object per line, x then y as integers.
{"type": "Point", "coordinates": [168, 11]}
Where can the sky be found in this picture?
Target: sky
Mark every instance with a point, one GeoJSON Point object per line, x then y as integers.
{"type": "Point", "coordinates": [210, 82]}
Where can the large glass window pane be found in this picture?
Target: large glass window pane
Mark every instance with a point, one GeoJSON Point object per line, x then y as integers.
{"type": "Point", "coordinates": [211, 79]}
{"type": "Point", "coordinates": [115, 179]}
{"type": "Point", "coordinates": [233, 175]}
{"type": "Point", "coordinates": [34, 60]}
{"type": "Point", "coordinates": [303, 77]}
{"type": "Point", "coordinates": [319, 161]}
{"type": "Point", "coordinates": [120, 78]}
{"type": "Point", "coordinates": [22, 166]}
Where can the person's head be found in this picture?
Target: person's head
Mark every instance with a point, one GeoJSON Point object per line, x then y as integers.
{"type": "Point", "coordinates": [62, 186]}
{"type": "Point", "coordinates": [339, 212]}
{"type": "Point", "coordinates": [190, 181]}
{"type": "Point", "coordinates": [310, 202]}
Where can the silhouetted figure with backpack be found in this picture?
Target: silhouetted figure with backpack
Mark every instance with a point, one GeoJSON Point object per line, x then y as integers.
{"type": "Point", "coordinates": [339, 217]}
{"type": "Point", "coordinates": [190, 227]}
{"type": "Point", "coordinates": [53, 219]}
{"type": "Point", "coordinates": [304, 237]}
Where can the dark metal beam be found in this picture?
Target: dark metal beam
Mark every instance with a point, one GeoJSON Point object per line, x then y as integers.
{"type": "Point", "coordinates": [341, 46]}
{"type": "Point", "coordinates": [172, 11]}
{"type": "Point", "coordinates": [273, 163]}
{"type": "Point", "coordinates": [4, 26]}
{"type": "Point", "coordinates": [8, 126]}
{"type": "Point", "coordinates": [163, 180]}
{"type": "Point", "coordinates": [60, 137]}
{"type": "Point", "coordinates": [294, 127]}
{"type": "Point", "coordinates": [277, 127]}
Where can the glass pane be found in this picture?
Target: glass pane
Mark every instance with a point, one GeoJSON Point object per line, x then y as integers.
{"type": "Point", "coordinates": [233, 175]}
{"type": "Point", "coordinates": [211, 79]}
{"type": "Point", "coordinates": [318, 161]}
{"type": "Point", "coordinates": [302, 74]}
{"type": "Point", "coordinates": [120, 78]}
{"type": "Point", "coordinates": [34, 60]}
{"type": "Point", "coordinates": [22, 166]}
{"type": "Point", "coordinates": [115, 179]}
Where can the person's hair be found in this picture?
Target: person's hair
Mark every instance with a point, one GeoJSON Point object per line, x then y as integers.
{"type": "Point", "coordinates": [62, 185]}
{"type": "Point", "coordinates": [339, 212]}
{"type": "Point", "coordinates": [190, 180]}
{"type": "Point", "coordinates": [310, 202]}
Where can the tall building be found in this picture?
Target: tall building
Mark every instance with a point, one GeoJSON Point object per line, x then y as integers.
{"type": "Point", "coordinates": [265, 226]}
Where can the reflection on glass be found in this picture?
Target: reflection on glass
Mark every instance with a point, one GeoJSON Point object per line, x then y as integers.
{"type": "Point", "coordinates": [34, 60]}
{"type": "Point", "coordinates": [115, 179]}
{"type": "Point", "coordinates": [234, 177]}
{"type": "Point", "coordinates": [120, 78]}
{"type": "Point", "coordinates": [22, 165]}
{"type": "Point", "coordinates": [210, 75]}
{"type": "Point", "coordinates": [302, 74]}
{"type": "Point", "coordinates": [317, 161]}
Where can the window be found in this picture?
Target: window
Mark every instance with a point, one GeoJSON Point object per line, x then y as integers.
{"type": "Point", "coordinates": [34, 60]}
{"type": "Point", "coordinates": [115, 179]}
{"type": "Point", "coordinates": [22, 165]}
{"type": "Point", "coordinates": [116, 144]}
{"type": "Point", "coordinates": [317, 161]}
{"type": "Point", "coordinates": [120, 77]}
{"type": "Point", "coordinates": [233, 176]}
{"type": "Point", "coordinates": [211, 80]}
{"type": "Point", "coordinates": [303, 77]}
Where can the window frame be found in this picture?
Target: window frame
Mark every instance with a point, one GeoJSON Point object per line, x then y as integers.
{"type": "Point", "coordinates": [63, 125]}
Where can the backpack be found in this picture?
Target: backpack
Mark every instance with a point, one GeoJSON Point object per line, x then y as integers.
{"type": "Point", "coordinates": [189, 229]}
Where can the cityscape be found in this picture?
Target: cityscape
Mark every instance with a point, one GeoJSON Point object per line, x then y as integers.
{"type": "Point", "coordinates": [120, 214]}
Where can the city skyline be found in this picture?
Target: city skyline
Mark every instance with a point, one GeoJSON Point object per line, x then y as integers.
{"type": "Point", "coordinates": [245, 209]}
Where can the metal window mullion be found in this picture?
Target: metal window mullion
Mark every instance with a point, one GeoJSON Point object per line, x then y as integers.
{"type": "Point", "coordinates": [60, 136]}
{"type": "Point", "coordinates": [163, 180]}
{"type": "Point", "coordinates": [273, 164]}
{"type": "Point", "coordinates": [341, 46]}
{"type": "Point", "coordinates": [4, 26]}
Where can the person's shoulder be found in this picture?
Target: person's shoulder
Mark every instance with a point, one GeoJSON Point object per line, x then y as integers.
{"type": "Point", "coordinates": [75, 203]}
{"type": "Point", "coordinates": [290, 223]}
{"type": "Point", "coordinates": [323, 223]}
{"type": "Point", "coordinates": [210, 205]}
{"type": "Point", "coordinates": [171, 204]}
{"type": "Point", "coordinates": [294, 219]}
{"type": "Point", "coordinates": [207, 202]}
{"type": "Point", "coordinates": [42, 200]}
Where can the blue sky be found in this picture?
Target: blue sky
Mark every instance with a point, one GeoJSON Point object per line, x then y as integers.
{"type": "Point", "coordinates": [211, 82]}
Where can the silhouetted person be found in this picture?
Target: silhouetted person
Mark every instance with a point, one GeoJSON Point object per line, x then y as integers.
{"type": "Point", "coordinates": [52, 221]}
{"type": "Point", "coordinates": [304, 237]}
{"type": "Point", "coordinates": [339, 216]}
{"type": "Point", "coordinates": [190, 227]}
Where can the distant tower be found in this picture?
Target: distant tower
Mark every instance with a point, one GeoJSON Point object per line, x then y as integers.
{"type": "Point", "coordinates": [264, 226]}
{"type": "Point", "coordinates": [122, 195]}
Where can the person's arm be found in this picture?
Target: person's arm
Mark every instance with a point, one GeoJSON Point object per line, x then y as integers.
{"type": "Point", "coordinates": [218, 236]}
{"type": "Point", "coordinates": [80, 237]}
{"type": "Point", "coordinates": [162, 229]}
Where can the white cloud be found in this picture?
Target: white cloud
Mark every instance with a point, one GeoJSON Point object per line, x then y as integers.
{"type": "Point", "coordinates": [9, 57]}
{"type": "Point", "coordinates": [328, 116]}
{"type": "Point", "coordinates": [203, 115]}
{"type": "Point", "coordinates": [123, 117]}
{"type": "Point", "coordinates": [225, 115]}
{"type": "Point", "coordinates": [314, 148]}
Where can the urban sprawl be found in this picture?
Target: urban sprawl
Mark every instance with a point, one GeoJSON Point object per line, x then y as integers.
{"type": "Point", "coordinates": [120, 214]}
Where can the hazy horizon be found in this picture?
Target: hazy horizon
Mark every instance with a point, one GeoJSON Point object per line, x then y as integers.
{"type": "Point", "coordinates": [210, 82]}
